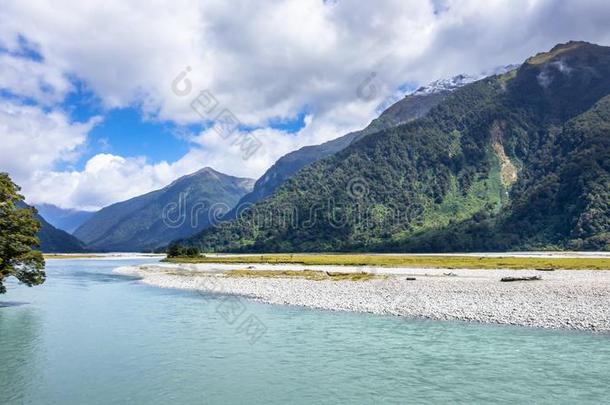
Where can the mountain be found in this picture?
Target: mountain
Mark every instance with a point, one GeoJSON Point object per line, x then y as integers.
{"type": "Point", "coordinates": [442, 85]}
{"type": "Point", "coordinates": [64, 219]}
{"type": "Point", "coordinates": [152, 220]}
{"type": "Point", "coordinates": [514, 161]}
{"type": "Point", "coordinates": [411, 107]}
{"type": "Point", "coordinates": [455, 82]}
{"type": "Point", "coordinates": [53, 240]}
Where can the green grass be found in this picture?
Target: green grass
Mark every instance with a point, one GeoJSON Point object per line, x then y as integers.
{"type": "Point", "coordinates": [445, 262]}
{"type": "Point", "coordinates": [306, 274]}
{"type": "Point", "coordinates": [70, 256]}
{"type": "Point", "coordinates": [457, 206]}
{"type": "Point", "coordinates": [547, 56]}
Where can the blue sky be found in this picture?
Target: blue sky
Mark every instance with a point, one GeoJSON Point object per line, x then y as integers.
{"type": "Point", "coordinates": [128, 132]}
{"type": "Point", "coordinates": [90, 115]}
{"type": "Point", "coordinates": [125, 132]}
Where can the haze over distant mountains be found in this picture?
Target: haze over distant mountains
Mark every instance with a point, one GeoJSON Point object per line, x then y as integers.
{"type": "Point", "coordinates": [53, 240]}
{"type": "Point", "coordinates": [65, 219]}
{"type": "Point", "coordinates": [519, 160]}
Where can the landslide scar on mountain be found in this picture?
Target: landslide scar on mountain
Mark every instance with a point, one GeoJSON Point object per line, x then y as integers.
{"type": "Point", "coordinates": [508, 171]}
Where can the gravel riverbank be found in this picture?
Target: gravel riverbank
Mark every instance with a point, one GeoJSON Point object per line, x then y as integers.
{"type": "Point", "coordinates": [572, 299]}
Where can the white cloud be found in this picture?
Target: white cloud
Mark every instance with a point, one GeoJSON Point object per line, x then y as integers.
{"type": "Point", "coordinates": [30, 79]}
{"type": "Point", "coordinates": [108, 178]}
{"type": "Point", "coordinates": [34, 140]}
{"type": "Point", "coordinates": [105, 179]}
{"type": "Point", "coordinates": [264, 60]}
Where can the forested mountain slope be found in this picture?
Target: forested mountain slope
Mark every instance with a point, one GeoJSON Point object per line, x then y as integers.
{"type": "Point", "coordinates": [514, 161]}
{"type": "Point", "coordinates": [150, 221]}
{"type": "Point", "coordinates": [53, 240]}
{"type": "Point", "coordinates": [411, 107]}
{"type": "Point", "coordinates": [64, 219]}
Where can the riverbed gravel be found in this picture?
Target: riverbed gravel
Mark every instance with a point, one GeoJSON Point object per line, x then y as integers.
{"type": "Point", "coordinates": [570, 299]}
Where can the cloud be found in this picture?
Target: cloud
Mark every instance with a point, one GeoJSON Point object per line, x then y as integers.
{"type": "Point", "coordinates": [546, 76]}
{"type": "Point", "coordinates": [108, 178]}
{"type": "Point", "coordinates": [265, 61]}
{"type": "Point", "coordinates": [270, 59]}
{"type": "Point", "coordinates": [35, 140]}
{"type": "Point", "coordinates": [30, 79]}
{"type": "Point", "coordinates": [105, 179]}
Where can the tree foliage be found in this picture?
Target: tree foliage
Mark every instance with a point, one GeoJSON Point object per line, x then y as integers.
{"type": "Point", "coordinates": [177, 250]}
{"type": "Point", "coordinates": [18, 228]}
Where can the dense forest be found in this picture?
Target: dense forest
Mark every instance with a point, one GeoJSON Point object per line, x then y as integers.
{"type": "Point", "coordinates": [409, 108]}
{"type": "Point", "coordinates": [514, 161]}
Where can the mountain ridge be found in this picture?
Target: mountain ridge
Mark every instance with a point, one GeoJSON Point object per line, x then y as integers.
{"type": "Point", "coordinates": [443, 172]}
{"type": "Point", "coordinates": [152, 220]}
{"type": "Point", "coordinates": [65, 219]}
{"type": "Point", "coordinates": [412, 106]}
{"type": "Point", "coordinates": [52, 239]}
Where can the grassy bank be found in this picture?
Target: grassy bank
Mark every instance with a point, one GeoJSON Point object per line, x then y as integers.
{"type": "Point", "coordinates": [70, 256]}
{"type": "Point", "coordinates": [445, 262]}
{"type": "Point", "coordinates": [306, 274]}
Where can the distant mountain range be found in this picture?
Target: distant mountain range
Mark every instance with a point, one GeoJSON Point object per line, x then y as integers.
{"type": "Point", "coordinates": [53, 240]}
{"type": "Point", "coordinates": [152, 220]}
{"type": "Point", "coordinates": [519, 160]}
{"type": "Point", "coordinates": [138, 224]}
{"type": "Point", "coordinates": [65, 219]}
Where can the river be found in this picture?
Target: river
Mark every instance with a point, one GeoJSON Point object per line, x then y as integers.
{"type": "Point", "coordinates": [89, 336]}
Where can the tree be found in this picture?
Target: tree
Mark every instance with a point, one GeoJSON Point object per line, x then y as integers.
{"type": "Point", "coordinates": [18, 228]}
{"type": "Point", "coordinates": [191, 251]}
{"type": "Point", "coordinates": [174, 250]}
{"type": "Point", "coordinates": [177, 250]}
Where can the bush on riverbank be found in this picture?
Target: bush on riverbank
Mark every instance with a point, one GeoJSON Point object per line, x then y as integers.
{"type": "Point", "coordinates": [176, 250]}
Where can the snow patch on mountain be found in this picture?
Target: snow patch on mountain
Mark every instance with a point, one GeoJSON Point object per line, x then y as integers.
{"type": "Point", "coordinates": [458, 81]}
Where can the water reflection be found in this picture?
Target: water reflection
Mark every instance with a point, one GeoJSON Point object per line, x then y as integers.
{"type": "Point", "coordinates": [6, 304]}
{"type": "Point", "coordinates": [94, 277]}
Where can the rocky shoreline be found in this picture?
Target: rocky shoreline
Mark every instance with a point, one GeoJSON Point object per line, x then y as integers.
{"type": "Point", "coordinates": [568, 299]}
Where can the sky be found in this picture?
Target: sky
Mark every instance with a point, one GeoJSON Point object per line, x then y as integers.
{"type": "Point", "coordinates": [101, 101]}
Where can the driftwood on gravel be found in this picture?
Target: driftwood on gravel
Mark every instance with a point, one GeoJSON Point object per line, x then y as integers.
{"type": "Point", "coordinates": [532, 278]}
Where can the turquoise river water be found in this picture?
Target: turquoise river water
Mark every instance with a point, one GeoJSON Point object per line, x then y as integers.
{"type": "Point", "coordinates": [88, 336]}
